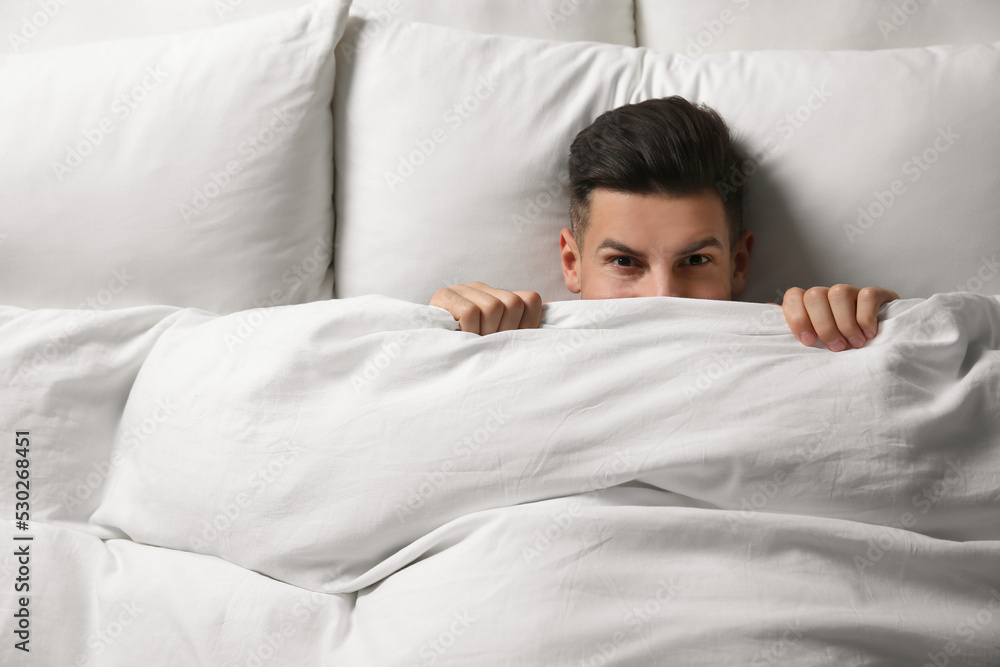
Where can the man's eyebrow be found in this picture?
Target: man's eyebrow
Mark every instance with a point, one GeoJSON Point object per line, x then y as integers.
{"type": "Point", "coordinates": [620, 247]}
{"type": "Point", "coordinates": [700, 244]}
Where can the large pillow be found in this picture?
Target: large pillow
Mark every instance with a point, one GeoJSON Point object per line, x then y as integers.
{"type": "Point", "coordinates": [192, 170]}
{"type": "Point", "coordinates": [869, 167]}
{"type": "Point", "coordinates": [713, 26]}
{"type": "Point", "coordinates": [611, 21]}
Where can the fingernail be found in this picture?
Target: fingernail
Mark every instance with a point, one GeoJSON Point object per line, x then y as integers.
{"type": "Point", "coordinates": [837, 346]}
{"type": "Point", "coordinates": [857, 341]}
{"type": "Point", "coordinates": [869, 334]}
{"type": "Point", "coordinates": [807, 337]}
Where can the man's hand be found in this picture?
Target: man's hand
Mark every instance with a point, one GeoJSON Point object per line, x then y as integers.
{"type": "Point", "coordinates": [482, 309]}
{"type": "Point", "coordinates": [841, 316]}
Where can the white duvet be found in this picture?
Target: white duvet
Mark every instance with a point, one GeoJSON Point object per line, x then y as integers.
{"type": "Point", "coordinates": [649, 481]}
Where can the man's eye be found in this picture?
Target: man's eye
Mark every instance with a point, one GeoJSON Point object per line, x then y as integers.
{"type": "Point", "coordinates": [623, 262]}
{"type": "Point", "coordinates": [697, 260]}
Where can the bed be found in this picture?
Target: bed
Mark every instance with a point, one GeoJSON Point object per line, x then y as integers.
{"type": "Point", "coordinates": [237, 434]}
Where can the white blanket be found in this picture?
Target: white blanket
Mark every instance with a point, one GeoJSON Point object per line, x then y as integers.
{"type": "Point", "coordinates": [640, 481]}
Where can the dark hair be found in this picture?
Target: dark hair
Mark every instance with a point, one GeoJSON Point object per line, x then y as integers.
{"type": "Point", "coordinates": [663, 146]}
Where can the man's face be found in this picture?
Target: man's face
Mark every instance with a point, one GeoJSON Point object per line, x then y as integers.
{"type": "Point", "coordinates": [655, 245]}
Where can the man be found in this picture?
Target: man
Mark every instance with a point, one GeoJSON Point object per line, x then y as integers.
{"type": "Point", "coordinates": [655, 211]}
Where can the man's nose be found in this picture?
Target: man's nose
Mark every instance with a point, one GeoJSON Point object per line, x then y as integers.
{"type": "Point", "coordinates": [665, 284]}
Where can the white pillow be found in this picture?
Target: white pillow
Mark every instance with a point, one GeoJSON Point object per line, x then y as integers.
{"type": "Point", "coordinates": [32, 25]}
{"type": "Point", "coordinates": [190, 170]}
{"type": "Point", "coordinates": [452, 148]}
{"type": "Point", "coordinates": [609, 21]}
{"type": "Point", "coordinates": [713, 26]}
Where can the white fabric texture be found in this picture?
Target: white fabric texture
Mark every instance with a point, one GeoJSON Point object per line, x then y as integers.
{"type": "Point", "coordinates": [69, 373]}
{"type": "Point", "coordinates": [36, 25]}
{"type": "Point", "coordinates": [714, 26]}
{"type": "Point", "coordinates": [852, 179]}
{"type": "Point", "coordinates": [639, 477]}
{"type": "Point", "coordinates": [33, 25]}
{"type": "Point", "coordinates": [193, 169]}
{"type": "Point", "coordinates": [610, 21]}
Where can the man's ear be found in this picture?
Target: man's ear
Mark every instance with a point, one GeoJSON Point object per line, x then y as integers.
{"type": "Point", "coordinates": [570, 260]}
{"type": "Point", "coordinates": [741, 261]}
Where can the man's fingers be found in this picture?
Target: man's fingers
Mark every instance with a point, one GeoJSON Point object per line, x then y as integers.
{"type": "Point", "coordinates": [844, 304]}
{"type": "Point", "coordinates": [457, 306]}
{"type": "Point", "coordinates": [509, 306]}
{"type": "Point", "coordinates": [840, 316]}
{"type": "Point", "coordinates": [461, 308]}
{"type": "Point", "coordinates": [482, 309]}
{"type": "Point", "coordinates": [817, 302]}
{"type": "Point", "coordinates": [796, 316]}
{"type": "Point", "coordinates": [490, 309]}
{"type": "Point", "coordinates": [531, 318]}
{"type": "Point", "coordinates": [870, 299]}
